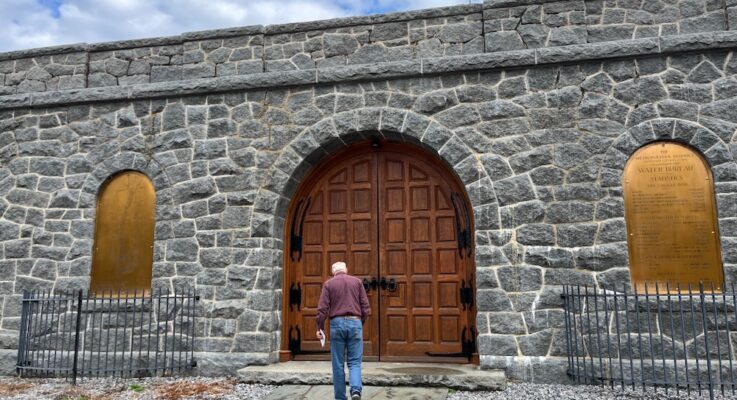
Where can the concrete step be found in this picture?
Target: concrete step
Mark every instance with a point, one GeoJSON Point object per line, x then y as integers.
{"type": "Point", "coordinates": [455, 376]}
{"type": "Point", "coordinates": [324, 392]}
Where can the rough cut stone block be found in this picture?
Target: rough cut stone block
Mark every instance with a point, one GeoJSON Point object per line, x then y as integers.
{"type": "Point", "coordinates": [520, 278]}
{"type": "Point", "coordinates": [503, 345]}
{"type": "Point", "coordinates": [389, 31]}
{"type": "Point", "coordinates": [503, 41]}
{"type": "Point", "coordinates": [339, 44]}
{"type": "Point", "coordinates": [460, 33]}
{"type": "Point", "coordinates": [536, 234]}
{"type": "Point", "coordinates": [507, 323]}
{"type": "Point", "coordinates": [165, 73]}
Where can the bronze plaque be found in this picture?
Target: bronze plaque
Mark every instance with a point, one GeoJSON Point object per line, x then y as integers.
{"type": "Point", "coordinates": [124, 234]}
{"type": "Point", "coordinates": [671, 219]}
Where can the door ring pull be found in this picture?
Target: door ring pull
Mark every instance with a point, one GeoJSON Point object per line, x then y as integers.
{"type": "Point", "coordinates": [392, 285]}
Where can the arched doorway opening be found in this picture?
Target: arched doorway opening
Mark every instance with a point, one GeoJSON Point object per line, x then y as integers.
{"type": "Point", "coordinates": [402, 222]}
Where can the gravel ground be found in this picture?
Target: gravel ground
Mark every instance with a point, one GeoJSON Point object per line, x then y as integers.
{"type": "Point", "coordinates": [228, 389]}
{"type": "Point", "coordinates": [527, 391]}
{"type": "Point", "coordinates": [133, 389]}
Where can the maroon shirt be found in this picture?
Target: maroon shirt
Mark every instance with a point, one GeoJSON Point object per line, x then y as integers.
{"type": "Point", "coordinates": [342, 295]}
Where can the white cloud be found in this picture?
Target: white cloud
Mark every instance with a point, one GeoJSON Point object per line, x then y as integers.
{"type": "Point", "coordinates": [27, 24]}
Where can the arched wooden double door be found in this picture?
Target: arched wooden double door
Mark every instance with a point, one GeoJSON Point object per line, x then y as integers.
{"type": "Point", "coordinates": [400, 220]}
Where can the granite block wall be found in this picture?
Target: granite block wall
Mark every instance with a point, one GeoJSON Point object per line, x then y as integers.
{"type": "Point", "coordinates": [531, 24]}
{"type": "Point", "coordinates": [539, 142]}
{"type": "Point", "coordinates": [495, 25]}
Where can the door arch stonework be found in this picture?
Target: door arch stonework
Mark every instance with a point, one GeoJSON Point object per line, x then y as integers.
{"type": "Point", "coordinates": [398, 215]}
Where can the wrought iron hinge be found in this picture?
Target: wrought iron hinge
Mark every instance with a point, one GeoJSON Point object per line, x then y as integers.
{"type": "Point", "coordinates": [466, 294]}
{"type": "Point", "coordinates": [295, 234]}
{"type": "Point", "coordinates": [295, 342]}
{"type": "Point", "coordinates": [463, 225]}
{"type": "Point", "coordinates": [469, 344]}
{"type": "Point", "coordinates": [295, 296]}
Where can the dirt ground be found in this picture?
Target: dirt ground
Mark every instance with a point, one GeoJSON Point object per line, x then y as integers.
{"type": "Point", "coordinates": [134, 389]}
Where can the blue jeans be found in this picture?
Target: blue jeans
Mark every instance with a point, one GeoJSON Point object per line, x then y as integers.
{"type": "Point", "coordinates": [346, 335]}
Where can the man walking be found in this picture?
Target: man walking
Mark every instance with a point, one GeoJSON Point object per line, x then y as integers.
{"type": "Point", "coordinates": [344, 300]}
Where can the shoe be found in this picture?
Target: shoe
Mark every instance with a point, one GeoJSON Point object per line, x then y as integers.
{"type": "Point", "coordinates": [356, 396]}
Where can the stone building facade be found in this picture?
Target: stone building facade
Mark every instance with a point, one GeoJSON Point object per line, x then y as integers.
{"type": "Point", "coordinates": [535, 105]}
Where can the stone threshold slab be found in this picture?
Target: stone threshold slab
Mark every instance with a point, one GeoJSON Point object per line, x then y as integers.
{"type": "Point", "coordinates": [455, 376]}
{"type": "Point", "coordinates": [323, 392]}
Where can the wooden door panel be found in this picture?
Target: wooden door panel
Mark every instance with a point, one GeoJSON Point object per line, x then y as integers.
{"type": "Point", "coordinates": [362, 264]}
{"type": "Point", "coordinates": [395, 200]}
{"type": "Point", "coordinates": [362, 201]}
{"type": "Point", "coordinates": [423, 328]}
{"type": "Point", "coordinates": [396, 264]}
{"type": "Point", "coordinates": [421, 261]}
{"type": "Point", "coordinates": [337, 231]}
{"type": "Point", "coordinates": [312, 264]}
{"type": "Point", "coordinates": [447, 261]}
{"type": "Point", "coordinates": [447, 332]}
{"type": "Point", "coordinates": [339, 177]}
{"type": "Point", "coordinates": [420, 230]}
{"type": "Point", "coordinates": [423, 295]}
{"type": "Point", "coordinates": [420, 198]}
{"type": "Point", "coordinates": [445, 228]}
{"type": "Point", "coordinates": [394, 231]}
{"type": "Point", "coordinates": [394, 170]}
{"type": "Point", "coordinates": [442, 200]}
{"type": "Point", "coordinates": [311, 295]}
{"type": "Point", "coordinates": [447, 294]}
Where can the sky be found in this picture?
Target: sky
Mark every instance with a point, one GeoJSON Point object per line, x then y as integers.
{"type": "Point", "coordinates": [26, 24]}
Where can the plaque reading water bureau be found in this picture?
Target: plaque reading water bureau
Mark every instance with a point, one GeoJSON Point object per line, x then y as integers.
{"type": "Point", "coordinates": [672, 233]}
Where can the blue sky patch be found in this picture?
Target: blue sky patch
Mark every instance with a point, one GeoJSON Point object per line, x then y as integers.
{"type": "Point", "coordinates": [52, 5]}
{"type": "Point", "coordinates": [370, 6]}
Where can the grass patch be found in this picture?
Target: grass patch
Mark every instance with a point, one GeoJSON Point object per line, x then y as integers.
{"type": "Point", "coordinates": [136, 388]}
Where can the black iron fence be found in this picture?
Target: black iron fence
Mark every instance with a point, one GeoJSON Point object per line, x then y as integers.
{"type": "Point", "coordinates": [124, 334]}
{"type": "Point", "coordinates": [665, 337]}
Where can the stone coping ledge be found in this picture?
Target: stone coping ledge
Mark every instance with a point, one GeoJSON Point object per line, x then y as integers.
{"type": "Point", "coordinates": [450, 11]}
{"type": "Point", "coordinates": [134, 43]}
{"type": "Point", "coordinates": [387, 70]}
{"type": "Point", "coordinates": [249, 30]}
{"type": "Point", "coordinates": [44, 51]}
{"type": "Point", "coordinates": [516, 3]}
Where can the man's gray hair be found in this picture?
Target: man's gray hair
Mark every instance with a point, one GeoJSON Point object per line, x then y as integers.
{"type": "Point", "coordinates": [339, 266]}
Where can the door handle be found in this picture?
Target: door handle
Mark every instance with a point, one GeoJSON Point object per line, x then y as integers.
{"type": "Point", "coordinates": [391, 286]}
{"type": "Point", "coordinates": [383, 283]}
{"type": "Point", "coordinates": [372, 284]}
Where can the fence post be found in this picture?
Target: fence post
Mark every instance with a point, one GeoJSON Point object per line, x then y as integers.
{"type": "Point", "coordinates": [22, 343]}
{"type": "Point", "coordinates": [76, 337]}
{"type": "Point", "coordinates": [706, 339]}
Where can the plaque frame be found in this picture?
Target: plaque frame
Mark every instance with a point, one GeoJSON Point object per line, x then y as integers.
{"type": "Point", "coordinates": [671, 219]}
{"type": "Point", "coordinates": [125, 220]}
